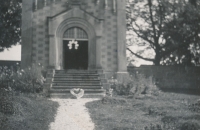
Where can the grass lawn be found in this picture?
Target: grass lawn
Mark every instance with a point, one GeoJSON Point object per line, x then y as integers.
{"type": "Point", "coordinates": [169, 110]}
{"type": "Point", "coordinates": [31, 113]}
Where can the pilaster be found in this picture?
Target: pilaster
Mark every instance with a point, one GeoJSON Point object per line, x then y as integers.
{"type": "Point", "coordinates": [121, 35]}
{"type": "Point", "coordinates": [27, 17]}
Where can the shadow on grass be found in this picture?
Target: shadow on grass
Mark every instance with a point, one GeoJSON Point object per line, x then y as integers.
{"type": "Point", "coordinates": [31, 113]}
{"type": "Point", "coordinates": [170, 109]}
{"type": "Point", "coordinates": [104, 114]}
{"type": "Point", "coordinates": [182, 91]}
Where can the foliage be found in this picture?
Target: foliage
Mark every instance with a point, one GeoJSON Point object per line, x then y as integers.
{"type": "Point", "coordinates": [122, 88]}
{"type": "Point", "coordinates": [10, 23]}
{"type": "Point", "coordinates": [30, 113]}
{"type": "Point", "coordinates": [137, 84]}
{"type": "Point", "coordinates": [166, 29]}
{"type": "Point", "coordinates": [167, 111]}
{"type": "Point", "coordinates": [154, 127]}
{"type": "Point", "coordinates": [195, 107]}
{"type": "Point", "coordinates": [113, 100]}
{"type": "Point", "coordinates": [6, 92]}
{"type": "Point", "coordinates": [119, 88]}
{"type": "Point", "coordinates": [6, 104]}
{"type": "Point", "coordinates": [189, 126]}
{"type": "Point", "coordinates": [143, 85]}
{"type": "Point", "coordinates": [27, 80]}
{"type": "Point", "coordinates": [183, 30]}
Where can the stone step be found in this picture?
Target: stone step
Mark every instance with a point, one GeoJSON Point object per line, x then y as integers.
{"type": "Point", "coordinates": [85, 90]}
{"type": "Point", "coordinates": [78, 77]}
{"type": "Point", "coordinates": [75, 80]}
{"type": "Point", "coordinates": [65, 80]}
{"type": "Point", "coordinates": [72, 86]}
{"type": "Point", "coordinates": [68, 95]}
{"type": "Point", "coordinates": [75, 83]}
{"type": "Point", "coordinates": [76, 71]}
{"type": "Point", "coordinates": [75, 74]}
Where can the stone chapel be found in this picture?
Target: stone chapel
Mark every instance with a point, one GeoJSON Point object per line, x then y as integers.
{"type": "Point", "coordinates": [75, 34]}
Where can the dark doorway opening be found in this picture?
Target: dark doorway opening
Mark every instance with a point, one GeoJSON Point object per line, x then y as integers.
{"type": "Point", "coordinates": [75, 57]}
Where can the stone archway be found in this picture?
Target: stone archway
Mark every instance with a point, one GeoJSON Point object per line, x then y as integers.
{"type": "Point", "coordinates": [80, 23]}
{"type": "Point", "coordinates": [75, 17]}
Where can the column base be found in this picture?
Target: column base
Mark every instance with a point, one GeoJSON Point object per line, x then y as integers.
{"type": "Point", "coordinates": [123, 76]}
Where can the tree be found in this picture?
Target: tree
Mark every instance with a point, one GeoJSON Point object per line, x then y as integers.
{"type": "Point", "coordinates": [10, 23]}
{"type": "Point", "coordinates": [186, 34]}
{"type": "Point", "coordinates": [159, 25]}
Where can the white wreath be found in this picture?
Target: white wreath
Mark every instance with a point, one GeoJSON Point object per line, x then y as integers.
{"type": "Point", "coordinates": [73, 42]}
{"type": "Point", "coordinates": [77, 95]}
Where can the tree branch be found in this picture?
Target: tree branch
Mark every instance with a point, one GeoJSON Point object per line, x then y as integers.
{"type": "Point", "coordinates": [144, 38]}
{"type": "Point", "coordinates": [151, 17]}
{"type": "Point", "coordinates": [161, 20]}
{"type": "Point", "coordinates": [141, 57]}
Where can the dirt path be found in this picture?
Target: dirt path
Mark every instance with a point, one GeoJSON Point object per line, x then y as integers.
{"type": "Point", "coordinates": [72, 115]}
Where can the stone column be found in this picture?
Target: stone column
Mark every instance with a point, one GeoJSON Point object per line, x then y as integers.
{"type": "Point", "coordinates": [99, 31]}
{"type": "Point", "coordinates": [52, 52]}
{"type": "Point", "coordinates": [121, 35]}
{"type": "Point", "coordinates": [98, 54]}
{"type": "Point", "coordinates": [27, 17]}
{"type": "Point", "coordinates": [121, 39]}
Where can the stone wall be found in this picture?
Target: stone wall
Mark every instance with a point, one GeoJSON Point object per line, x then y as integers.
{"type": "Point", "coordinates": [40, 46]}
{"type": "Point", "coordinates": [40, 42]}
{"type": "Point", "coordinates": [171, 76]}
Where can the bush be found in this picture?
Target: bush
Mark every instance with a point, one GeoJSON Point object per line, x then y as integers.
{"type": "Point", "coordinates": [122, 88]}
{"type": "Point", "coordinates": [195, 107]}
{"type": "Point", "coordinates": [6, 104]}
{"type": "Point", "coordinates": [136, 85]}
{"type": "Point", "coordinates": [189, 126]}
{"type": "Point", "coordinates": [30, 113]}
{"type": "Point", "coordinates": [27, 80]}
{"type": "Point", "coordinates": [160, 127]}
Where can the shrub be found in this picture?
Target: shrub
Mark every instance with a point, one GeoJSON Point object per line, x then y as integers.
{"type": "Point", "coordinates": [6, 77]}
{"type": "Point", "coordinates": [160, 127]}
{"type": "Point", "coordinates": [6, 104]}
{"type": "Point", "coordinates": [136, 85]}
{"type": "Point", "coordinates": [144, 85]}
{"type": "Point", "coordinates": [195, 107]}
{"type": "Point", "coordinates": [31, 113]}
{"type": "Point", "coordinates": [29, 79]}
{"type": "Point", "coordinates": [189, 126]}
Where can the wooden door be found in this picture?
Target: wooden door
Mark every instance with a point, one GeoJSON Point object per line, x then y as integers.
{"type": "Point", "coordinates": [75, 57]}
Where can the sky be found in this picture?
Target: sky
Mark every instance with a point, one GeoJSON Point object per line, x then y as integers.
{"type": "Point", "coordinates": [13, 53]}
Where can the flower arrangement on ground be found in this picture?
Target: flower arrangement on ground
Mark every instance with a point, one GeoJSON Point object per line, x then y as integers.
{"type": "Point", "coordinates": [77, 92]}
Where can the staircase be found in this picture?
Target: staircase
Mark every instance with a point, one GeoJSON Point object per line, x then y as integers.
{"type": "Point", "coordinates": [65, 80]}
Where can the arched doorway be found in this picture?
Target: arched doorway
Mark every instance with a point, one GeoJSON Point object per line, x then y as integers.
{"type": "Point", "coordinates": [75, 48]}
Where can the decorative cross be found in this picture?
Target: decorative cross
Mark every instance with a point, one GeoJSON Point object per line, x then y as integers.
{"type": "Point", "coordinates": [73, 42]}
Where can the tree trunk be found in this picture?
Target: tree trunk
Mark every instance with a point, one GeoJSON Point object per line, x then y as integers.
{"type": "Point", "coordinates": [157, 59]}
{"type": "Point", "coordinates": [156, 62]}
